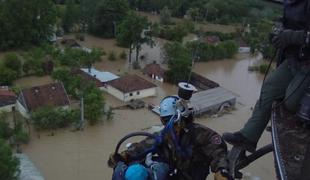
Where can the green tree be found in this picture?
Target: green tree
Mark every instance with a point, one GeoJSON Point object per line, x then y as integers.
{"type": "Point", "coordinates": [71, 16]}
{"type": "Point", "coordinates": [26, 22]}
{"type": "Point", "coordinates": [108, 15]}
{"type": "Point", "coordinates": [48, 118]}
{"type": "Point", "coordinates": [194, 14]}
{"type": "Point", "coordinates": [131, 33]}
{"type": "Point", "coordinates": [8, 163]}
{"type": "Point", "coordinates": [72, 83]}
{"type": "Point", "coordinates": [5, 130]}
{"type": "Point", "coordinates": [7, 76]}
{"type": "Point", "coordinates": [178, 58]}
{"type": "Point", "coordinates": [165, 16]}
{"type": "Point", "coordinates": [94, 103]}
{"type": "Point", "coordinates": [12, 61]}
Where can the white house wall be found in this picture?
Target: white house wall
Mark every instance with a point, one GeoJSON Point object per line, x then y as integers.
{"type": "Point", "coordinates": [135, 95]}
{"type": "Point", "coordinates": [7, 108]}
{"type": "Point", "coordinates": [140, 94]}
{"type": "Point", "coordinates": [22, 110]}
{"type": "Point", "coordinates": [115, 92]}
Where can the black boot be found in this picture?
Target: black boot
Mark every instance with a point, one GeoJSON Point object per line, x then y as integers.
{"type": "Point", "coordinates": [237, 139]}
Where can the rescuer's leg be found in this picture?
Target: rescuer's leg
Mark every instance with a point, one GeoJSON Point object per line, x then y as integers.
{"type": "Point", "coordinates": [296, 89]}
{"type": "Point", "coordinates": [273, 88]}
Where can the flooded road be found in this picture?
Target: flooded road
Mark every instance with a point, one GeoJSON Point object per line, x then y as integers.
{"type": "Point", "coordinates": [83, 155]}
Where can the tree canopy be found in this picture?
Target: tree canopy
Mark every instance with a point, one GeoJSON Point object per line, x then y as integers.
{"type": "Point", "coordinates": [179, 62]}
{"type": "Point", "coordinates": [26, 22]}
{"type": "Point", "coordinates": [131, 32]}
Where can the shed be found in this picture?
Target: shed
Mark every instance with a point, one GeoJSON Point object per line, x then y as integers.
{"type": "Point", "coordinates": [131, 87]}
{"type": "Point", "coordinates": [99, 77]}
{"type": "Point", "coordinates": [209, 101]}
{"type": "Point", "coordinates": [212, 39]}
{"type": "Point", "coordinates": [201, 82]}
{"type": "Point", "coordinates": [53, 95]}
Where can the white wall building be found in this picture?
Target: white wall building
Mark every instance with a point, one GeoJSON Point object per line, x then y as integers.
{"type": "Point", "coordinates": [130, 87]}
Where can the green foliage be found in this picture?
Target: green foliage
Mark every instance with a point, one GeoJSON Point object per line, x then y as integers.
{"type": "Point", "coordinates": [165, 16]}
{"type": "Point", "coordinates": [123, 55]}
{"type": "Point", "coordinates": [206, 52]}
{"type": "Point", "coordinates": [80, 37]}
{"type": "Point", "coordinates": [7, 76]}
{"type": "Point", "coordinates": [179, 62]}
{"type": "Point", "coordinates": [263, 68]}
{"type": "Point", "coordinates": [108, 15]}
{"type": "Point", "coordinates": [112, 56]}
{"type": "Point", "coordinates": [94, 103]}
{"type": "Point", "coordinates": [8, 163]}
{"type": "Point", "coordinates": [47, 118]}
{"type": "Point", "coordinates": [20, 135]}
{"type": "Point", "coordinates": [258, 38]}
{"type": "Point", "coordinates": [34, 59]}
{"type": "Point", "coordinates": [194, 14]}
{"type": "Point", "coordinates": [12, 61]}
{"type": "Point", "coordinates": [174, 33]}
{"type": "Point", "coordinates": [130, 33]}
{"type": "Point", "coordinates": [71, 83]}
{"type": "Point", "coordinates": [5, 131]}
{"type": "Point", "coordinates": [110, 114]}
{"type": "Point", "coordinates": [26, 22]}
{"type": "Point", "coordinates": [73, 57]}
{"type": "Point", "coordinates": [71, 16]}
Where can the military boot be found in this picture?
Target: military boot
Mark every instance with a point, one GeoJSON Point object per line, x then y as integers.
{"type": "Point", "coordinates": [237, 139]}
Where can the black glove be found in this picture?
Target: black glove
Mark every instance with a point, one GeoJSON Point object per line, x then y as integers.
{"type": "Point", "coordinates": [288, 37]}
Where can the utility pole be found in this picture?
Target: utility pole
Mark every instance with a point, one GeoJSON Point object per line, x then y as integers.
{"type": "Point", "coordinates": [80, 125]}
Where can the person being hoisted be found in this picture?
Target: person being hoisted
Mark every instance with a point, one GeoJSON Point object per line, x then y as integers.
{"type": "Point", "coordinates": [289, 81]}
{"type": "Point", "coordinates": [190, 149]}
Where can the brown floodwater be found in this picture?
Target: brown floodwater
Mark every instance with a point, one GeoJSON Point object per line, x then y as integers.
{"type": "Point", "coordinates": [83, 155]}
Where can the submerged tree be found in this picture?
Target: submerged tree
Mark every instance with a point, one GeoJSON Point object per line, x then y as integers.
{"type": "Point", "coordinates": [179, 62]}
{"type": "Point", "coordinates": [8, 163]}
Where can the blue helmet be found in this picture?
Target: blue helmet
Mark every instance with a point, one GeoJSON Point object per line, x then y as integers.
{"type": "Point", "coordinates": [136, 172]}
{"type": "Point", "coordinates": [168, 106]}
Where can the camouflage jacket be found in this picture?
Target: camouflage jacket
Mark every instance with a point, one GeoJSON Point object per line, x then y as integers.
{"type": "Point", "coordinates": [203, 147]}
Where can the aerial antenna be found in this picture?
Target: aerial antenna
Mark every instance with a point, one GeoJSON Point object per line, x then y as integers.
{"type": "Point", "coordinates": [194, 56]}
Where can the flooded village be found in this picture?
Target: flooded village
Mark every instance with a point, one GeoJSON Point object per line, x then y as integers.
{"type": "Point", "coordinates": [83, 154]}
{"type": "Point", "coordinates": [80, 150]}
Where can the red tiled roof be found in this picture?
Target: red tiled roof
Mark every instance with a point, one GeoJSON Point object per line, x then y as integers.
{"type": "Point", "coordinates": [7, 97]}
{"type": "Point", "coordinates": [212, 39]}
{"type": "Point", "coordinates": [47, 95]}
{"type": "Point", "coordinates": [155, 69]}
{"type": "Point", "coordinates": [130, 83]}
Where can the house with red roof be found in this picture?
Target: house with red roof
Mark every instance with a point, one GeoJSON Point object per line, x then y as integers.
{"type": "Point", "coordinates": [7, 99]}
{"type": "Point", "coordinates": [51, 95]}
{"type": "Point", "coordinates": [131, 87]}
{"type": "Point", "coordinates": [154, 71]}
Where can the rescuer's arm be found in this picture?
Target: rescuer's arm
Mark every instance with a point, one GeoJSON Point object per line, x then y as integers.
{"type": "Point", "coordinates": [134, 150]}
{"type": "Point", "coordinates": [215, 148]}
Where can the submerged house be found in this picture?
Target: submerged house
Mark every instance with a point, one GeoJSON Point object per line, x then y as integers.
{"type": "Point", "coordinates": [154, 71]}
{"type": "Point", "coordinates": [131, 87]}
{"type": "Point", "coordinates": [53, 95]}
{"type": "Point", "coordinates": [7, 99]}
